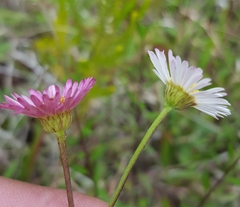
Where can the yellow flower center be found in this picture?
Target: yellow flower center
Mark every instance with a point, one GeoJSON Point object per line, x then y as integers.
{"type": "Point", "coordinates": [62, 100]}
{"type": "Point", "coordinates": [193, 85]}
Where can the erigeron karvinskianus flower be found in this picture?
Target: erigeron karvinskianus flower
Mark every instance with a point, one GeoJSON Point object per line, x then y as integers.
{"type": "Point", "coordinates": [52, 107]}
{"type": "Point", "coordinates": [183, 83]}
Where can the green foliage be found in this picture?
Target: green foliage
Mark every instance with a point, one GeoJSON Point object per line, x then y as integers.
{"type": "Point", "coordinates": [109, 40]}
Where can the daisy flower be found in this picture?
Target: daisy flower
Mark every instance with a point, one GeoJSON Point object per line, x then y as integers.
{"type": "Point", "coordinates": [183, 83]}
{"type": "Point", "coordinates": [52, 107]}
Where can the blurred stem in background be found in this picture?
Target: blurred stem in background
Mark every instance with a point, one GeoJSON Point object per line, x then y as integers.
{"type": "Point", "coordinates": [35, 136]}
{"type": "Point", "coordinates": [219, 181]}
{"type": "Point", "coordinates": [137, 153]}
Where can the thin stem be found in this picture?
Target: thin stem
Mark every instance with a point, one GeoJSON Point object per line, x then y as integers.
{"type": "Point", "coordinates": [61, 137]}
{"type": "Point", "coordinates": [136, 154]}
{"type": "Point", "coordinates": [218, 182]}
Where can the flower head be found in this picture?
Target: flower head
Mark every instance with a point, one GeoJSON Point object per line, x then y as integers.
{"type": "Point", "coordinates": [52, 107]}
{"type": "Point", "coordinates": [183, 83]}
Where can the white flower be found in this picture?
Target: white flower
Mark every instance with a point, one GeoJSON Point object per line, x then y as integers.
{"type": "Point", "coordinates": [183, 83]}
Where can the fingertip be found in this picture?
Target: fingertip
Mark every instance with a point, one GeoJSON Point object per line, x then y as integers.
{"type": "Point", "coordinates": [21, 194]}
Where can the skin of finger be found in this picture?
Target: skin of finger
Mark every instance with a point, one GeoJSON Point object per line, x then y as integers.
{"type": "Point", "coordinates": [16, 193]}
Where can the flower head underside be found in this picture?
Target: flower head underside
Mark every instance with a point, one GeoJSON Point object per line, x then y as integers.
{"type": "Point", "coordinates": [183, 83]}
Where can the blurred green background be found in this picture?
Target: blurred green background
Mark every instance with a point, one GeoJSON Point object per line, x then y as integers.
{"type": "Point", "coordinates": [46, 42]}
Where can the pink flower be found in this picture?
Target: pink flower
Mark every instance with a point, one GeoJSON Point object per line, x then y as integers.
{"type": "Point", "coordinates": [51, 104]}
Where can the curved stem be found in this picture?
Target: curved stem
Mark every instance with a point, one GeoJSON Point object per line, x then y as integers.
{"type": "Point", "coordinates": [218, 182]}
{"type": "Point", "coordinates": [61, 137]}
{"type": "Point", "coordinates": [136, 154]}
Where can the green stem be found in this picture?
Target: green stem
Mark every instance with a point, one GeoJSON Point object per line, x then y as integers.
{"type": "Point", "coordinates": [218, 182]}
{"type": "Point", "coordinates": [136, 154]}
{"type": "Point", "coordinates": [61, 137]}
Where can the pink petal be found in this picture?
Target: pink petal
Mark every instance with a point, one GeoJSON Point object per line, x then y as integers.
{"type": "Point", "coordinates": [50, 101]}
{"type": "Point", "coordinates": [74, 88]}
{"type": "Point", "coordinates": [36, 101]}
{"type": "Point", "coordinates": [51, 92]}
{"type": "Point", "coordinates": [83, 88]}
{"type": "Point", "coordinates": [49, 105]}
{"type": "Point", "coordinates": [37, 94]}
{"type": "Point", "coordinates": [13, 102]}
{"type": "Point", "coordinates": [67, 86]}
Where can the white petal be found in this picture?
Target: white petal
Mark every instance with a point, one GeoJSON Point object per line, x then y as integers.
{"type": "Point", "coordinates": [201, 84]}
{"type": "Point", "coordinates": [172, 65]}
{"type": "Point", "coordinates": [191, 80]}
{"type": "Point", "coordinates": [162, 59]}
{"type": "Point", "coordinates": [160, 65]}
{"type": "Point", "coordinates": [184, 73]}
